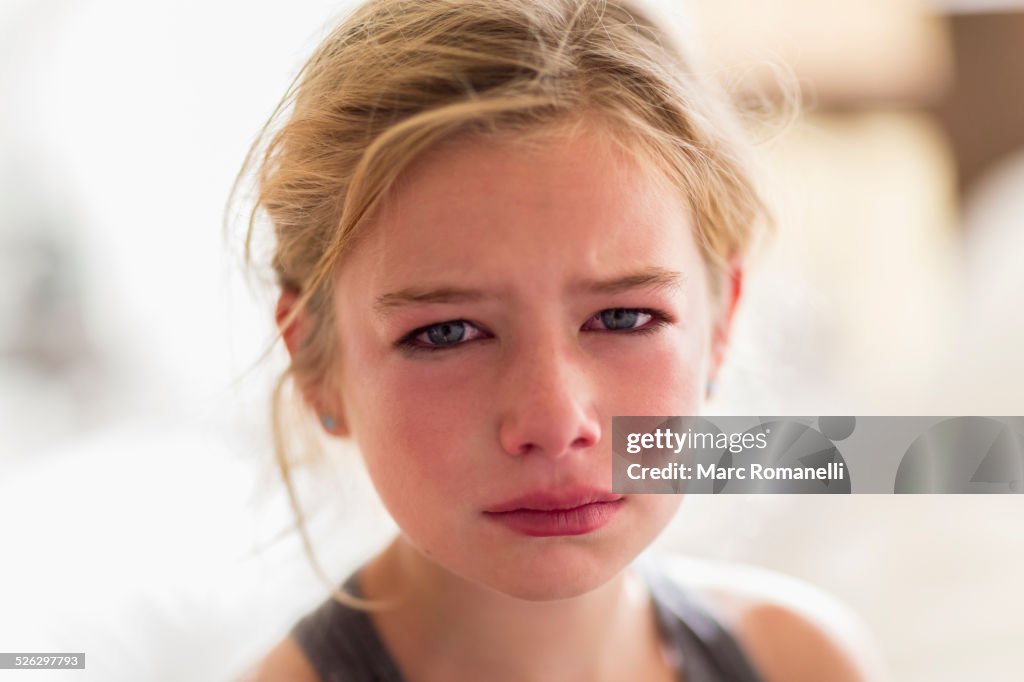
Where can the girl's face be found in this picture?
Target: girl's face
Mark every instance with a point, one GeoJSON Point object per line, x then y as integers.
{"type": "Point", "coordinates": [505, 304]}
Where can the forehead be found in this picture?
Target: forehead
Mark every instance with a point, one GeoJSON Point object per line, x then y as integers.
{"type": "Point", "coordinates": [562, 203]}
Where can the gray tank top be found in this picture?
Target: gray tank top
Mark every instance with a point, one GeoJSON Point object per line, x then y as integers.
{"type": "Point", "coordinates": [343, 645]}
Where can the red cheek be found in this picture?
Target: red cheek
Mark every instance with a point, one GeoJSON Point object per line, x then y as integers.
{"type": "Point", "coordinates": [663, 375]}
{"type": "Point", "coordinates": [427, 417]}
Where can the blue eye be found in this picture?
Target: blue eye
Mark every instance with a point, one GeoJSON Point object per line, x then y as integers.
{"type": "Point", "coordinates": [441, 336]}
{"type": "Point", "coordinates": [446, 333]}
{"type": "Point", "coordinates": [630, 320]}
{"type": "Point", "coordinates": [621, 318]}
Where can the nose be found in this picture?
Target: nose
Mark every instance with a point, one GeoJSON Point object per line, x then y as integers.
{"type": "Point", "coordinates": [548, 402]}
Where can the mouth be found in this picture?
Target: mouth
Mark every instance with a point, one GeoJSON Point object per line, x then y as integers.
{"type": "Point", "coordinates": [552, 513]}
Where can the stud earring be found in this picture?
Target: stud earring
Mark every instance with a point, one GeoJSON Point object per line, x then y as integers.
{"type": "Point", "coordinates": [327, 421]}
{"type": "Point", "coordinates": [709, 388]}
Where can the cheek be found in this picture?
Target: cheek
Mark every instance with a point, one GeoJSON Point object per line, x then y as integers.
{"type": "Point", "coordinates": [411, 423]}
{"type": "Point", "coordinates": [430, 403]}
{"type": "Point", "coordinates": [663, 375]}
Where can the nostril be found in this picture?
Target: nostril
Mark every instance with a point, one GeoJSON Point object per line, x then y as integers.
{"type": "Point", "coordinates": [526, 448]}
{"type": "Point", "coordinates": [583, 442]}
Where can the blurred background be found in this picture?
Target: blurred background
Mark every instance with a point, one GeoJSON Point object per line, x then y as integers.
{"type": "Point", "coordinates": [143, 520]}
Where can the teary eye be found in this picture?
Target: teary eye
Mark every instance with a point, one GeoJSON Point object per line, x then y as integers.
{"type": "Point", "coordinates": [622, 318]}
{"type": "Point", "coordinates": [441, 335]}
{"type": "Point", "coordinates": [627, 320]}
{"type": "Point", "coordinates": [446, 333]}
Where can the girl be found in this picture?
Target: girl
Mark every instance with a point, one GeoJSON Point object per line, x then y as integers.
{"type": "Point", "coordinates": [498, 224]}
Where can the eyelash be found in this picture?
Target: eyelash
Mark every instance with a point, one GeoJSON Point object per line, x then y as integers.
{"type": "Point", "coordinates": [657, 321]}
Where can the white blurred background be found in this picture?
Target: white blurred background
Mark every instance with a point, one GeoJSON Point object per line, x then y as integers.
{"type": "Point", "coordinates": [141, 518]}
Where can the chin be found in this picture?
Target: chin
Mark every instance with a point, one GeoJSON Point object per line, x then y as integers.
{"type": "Point", "coordinates": [560, 573]}
{"type": "Point", "coordinates": [557, 591]}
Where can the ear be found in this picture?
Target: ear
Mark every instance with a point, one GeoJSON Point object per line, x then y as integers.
{"type": "Point", "coordinates": [724, 313]}
{"type": "Point", "coordinates": [325, 403]}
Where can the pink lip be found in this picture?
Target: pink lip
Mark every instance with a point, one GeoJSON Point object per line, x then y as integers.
{"type": "Point", "coordinates": [574, 511]}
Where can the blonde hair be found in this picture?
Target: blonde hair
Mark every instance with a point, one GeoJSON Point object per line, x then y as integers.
{"type": "Point", "coordinates": [399, 76]}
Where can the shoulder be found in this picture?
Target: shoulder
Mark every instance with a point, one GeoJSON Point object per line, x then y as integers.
{"type": "Point", "coordinates": [791, 630]}
{"type": "Point", "coordinates": [284, 663]}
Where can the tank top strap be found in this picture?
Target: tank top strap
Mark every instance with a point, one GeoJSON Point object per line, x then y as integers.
{"type": "Point", "coordinates": [709, 653]}
{"type": "Point", "coordinates": [342, 644]}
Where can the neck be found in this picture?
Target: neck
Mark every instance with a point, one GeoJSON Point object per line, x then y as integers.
{"type": "Point", "coordinates": [448, 628]}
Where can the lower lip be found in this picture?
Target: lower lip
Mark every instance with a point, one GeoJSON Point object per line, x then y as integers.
{"type": "Point", "coordinates": [576, 521]}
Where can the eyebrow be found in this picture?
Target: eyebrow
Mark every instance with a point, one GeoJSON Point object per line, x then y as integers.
{"type": "Point", "coordinates": [659, 279]}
